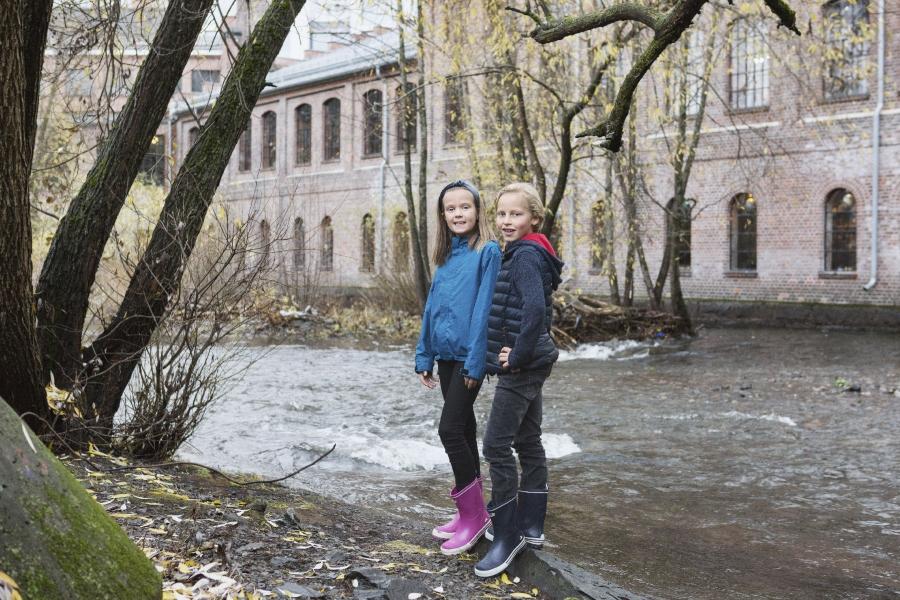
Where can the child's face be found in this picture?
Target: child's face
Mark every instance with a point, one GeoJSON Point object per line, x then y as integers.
{"type": "Point", "coordinates": [460, 212]}
{"type": "Point", "coordinates": [514, 220]}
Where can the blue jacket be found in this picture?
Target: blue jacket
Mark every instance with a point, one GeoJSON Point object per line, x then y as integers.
{"type": "Point", "coordinates": [454, 324]}
{"type": "Point", "coordinates": [522, 308]}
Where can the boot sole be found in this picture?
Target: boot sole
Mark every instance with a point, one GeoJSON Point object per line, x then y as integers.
{"type": "Point", "coordinates": [468, 545]}
{"type": "Point", "coordinates": [504, 565]}
{"type": "Point", "coordinates": [441, 535]}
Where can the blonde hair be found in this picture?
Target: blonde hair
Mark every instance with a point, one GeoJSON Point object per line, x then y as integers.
{"type": "Point", "coordinates": [531, 196]}
{"type": "Point", "coordinates": [443, 237]}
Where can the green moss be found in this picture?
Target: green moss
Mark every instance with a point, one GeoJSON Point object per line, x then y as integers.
{"type": "Point", "coordinates": [58, 542]}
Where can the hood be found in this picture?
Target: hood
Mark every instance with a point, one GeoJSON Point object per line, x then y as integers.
{"type": "Point", "coordinates": [540, 243]}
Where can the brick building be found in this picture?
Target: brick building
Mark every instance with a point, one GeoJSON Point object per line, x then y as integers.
{"type": "Point", "coordinates": [783, 180]}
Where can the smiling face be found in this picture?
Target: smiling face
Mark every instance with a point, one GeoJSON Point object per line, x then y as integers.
{"type": "Point", "coordinates": [460, 212]}
{"type": "Point", "coordinates": [514, 220]}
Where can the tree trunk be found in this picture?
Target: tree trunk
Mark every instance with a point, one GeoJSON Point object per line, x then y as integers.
{"type": "Point", "coordinates": [65, 285]}
{"type": "Point", "coordinates": [415, 242]}
{"type": "Point", "coordinates": [21, 57]}
{"type": "Point", "coordinates": [422, 115]}
{"type": "Point", "coordinates": [157, 275]}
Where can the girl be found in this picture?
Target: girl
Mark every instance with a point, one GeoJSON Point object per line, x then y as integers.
{"type": "Point", "coordinates": [454, 332]}
{"type": "Point", "coordinates": [521, 350]}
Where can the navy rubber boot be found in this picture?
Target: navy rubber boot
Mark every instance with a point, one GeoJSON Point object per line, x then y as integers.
{"type": "Point", "coordinates": [531, 512]}
{"type": "Point", "coordinates": [508, 542]}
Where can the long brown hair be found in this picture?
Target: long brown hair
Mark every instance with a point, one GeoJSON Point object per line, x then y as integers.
{"type": "Point", "coordinates": [443, 238]}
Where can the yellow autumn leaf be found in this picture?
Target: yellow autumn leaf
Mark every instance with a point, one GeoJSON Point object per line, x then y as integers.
{"type": "Point", "coordinates": [8, 587]}
{"type": "Point", "coordinates": [504, 579]}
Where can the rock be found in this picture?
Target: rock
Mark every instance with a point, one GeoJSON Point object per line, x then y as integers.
{"type": "Point", "coordinates": [370, 594]}
{"type": "Point", "coordinates": [373, 576]}
{"type": "Point", "coordinates": [280, 561]}
{"type": "Point", "coordinates": [252, 546]}
{"type": "Point", "coordinates": [557, 578]}
{"type": "Point", "coordinates": [295, 590]}
{"type": "Point", "coordinates": [58, 543]}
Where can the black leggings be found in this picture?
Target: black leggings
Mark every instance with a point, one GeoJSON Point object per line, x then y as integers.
{"type": "Point", "coordinates": [457, 427]}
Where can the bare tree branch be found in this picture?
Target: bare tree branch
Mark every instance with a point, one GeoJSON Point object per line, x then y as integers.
{"type": "Point", "coordinates": [667, 28]}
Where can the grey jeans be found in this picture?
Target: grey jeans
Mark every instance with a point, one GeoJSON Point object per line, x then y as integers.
{"type": "Point", "coordinates": [515, 422]}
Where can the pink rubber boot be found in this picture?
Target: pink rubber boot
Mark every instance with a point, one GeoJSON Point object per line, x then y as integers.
{"type": "Point", "coordinates": [473, 519]}
{"type": "Point", "coordinates": [446, 531]}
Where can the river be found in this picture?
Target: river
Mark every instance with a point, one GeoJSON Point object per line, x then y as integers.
{"type": "Point", "coordinates": [733, 465]}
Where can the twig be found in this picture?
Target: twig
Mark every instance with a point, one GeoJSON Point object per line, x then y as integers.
{"type": "Point", "coordinates": [176, 463]}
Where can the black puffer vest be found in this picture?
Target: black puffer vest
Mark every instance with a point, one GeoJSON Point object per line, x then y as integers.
{"type": "Point", "coordinates": [506, 316]}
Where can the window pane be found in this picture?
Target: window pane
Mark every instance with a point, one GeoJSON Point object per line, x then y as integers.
{"type": "Point", "coordinates": [372, 106]}
{"type": "Point", "coordinates": [454, 116]}
{"type": "Point", "coordinates": [847, 43]}
{"type": "Point", "coordinates": [269, 140]}
{"type": "Point", "coordinates": [743, 233]}
{"type": "Point", "coordinates": [332, 129]}
{"type": "Point", "coordinates": [303, 142]}
{"type": "Point", "coordinates": [840, 231]}
{"type": "Point", "coordinates": [368, 244]}
{"type": "Point", "coordinates": [749, 65]}
{"type": "Point", "coordinates": [327, 262]}
{"type": "Point", "coordinates": [244, 147]}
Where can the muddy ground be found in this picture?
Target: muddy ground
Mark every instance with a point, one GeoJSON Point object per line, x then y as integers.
{"type": "Point", "coordinates": [211, 538]}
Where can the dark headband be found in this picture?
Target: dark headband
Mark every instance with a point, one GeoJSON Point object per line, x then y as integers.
{"type": "Point", "coordinates": [460, 183]}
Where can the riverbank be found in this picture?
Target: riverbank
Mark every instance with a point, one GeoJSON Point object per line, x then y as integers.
{"type": "Point", "coordinates": [212, 538]}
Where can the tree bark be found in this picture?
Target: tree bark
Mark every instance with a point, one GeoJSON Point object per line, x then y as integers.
{"type": "Point", "coordinates": [422, 115]}
{"type": "Point", "coordinates": [415, 242]}
{"type": "Point", "coordinates": [21, 58]}
{"type": "Point", "coordinates": [65, 284]}
{"type": "Point", "coordinates": [157, 275]}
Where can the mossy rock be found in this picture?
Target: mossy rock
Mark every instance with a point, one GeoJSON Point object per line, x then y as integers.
{"type": "Point", "coordinates": [56, 541]}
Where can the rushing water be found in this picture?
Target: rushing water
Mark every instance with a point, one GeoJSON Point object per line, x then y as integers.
{"type": "Point", "coordinates": [729, 466]}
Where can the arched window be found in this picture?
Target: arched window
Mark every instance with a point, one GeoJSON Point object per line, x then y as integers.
{"type": "Point", "coordinates": [368, 244]}
{"type": "Point", "coordinates": [749, 83]}
{"type": "Point", "coordinates": [265, 241]}
{"type": "Point", "coordinates": [193, 136]}
{"type": "Point", "coordinates": [331, 141]}
{"type": "Point", "coordinates": [847, 48]}
{"type": "Point", "coordinates": [299, 244]}
{"type": "Point", "coordinates": [327, 260]}
{"type": "Point", "coordinates": [599, 219]}
{"type": "Point", "coordinates": [840, 231]}
{"type": "Point", "coordinates": [454, 111]}
{"type": "Point", "coordinates": [244, 146]}
{"type": "Point", "coordinates": [407, 105]}
{"type": "Point", "coordinates": [268, 141]}
{"type": "Point", "coordinates": [373, 127]}
{"type": "Point", "coordinates": [743, 233]}
{"type": "Point", "coordinates": [401, 242]}
{"type": "Point", "coordinates": [303, 132]}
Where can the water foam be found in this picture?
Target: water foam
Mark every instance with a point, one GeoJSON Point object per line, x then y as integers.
{"type": "Point", "coordinates": [734, 414]}
{"type": "Point", "coordinates": [615, 349]}
{"type": "Point", "coordinates": [395, 454]}
{"type": "Point", "coordinates": [557, 445]}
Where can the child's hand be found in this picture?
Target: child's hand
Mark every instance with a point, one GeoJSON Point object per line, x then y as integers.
{"type": "Point", "coordinates": [427, 380]}
{"type": "Point", "coordinates": [503, 357]}
{"type": "Point", "coordinates": [470, 383]}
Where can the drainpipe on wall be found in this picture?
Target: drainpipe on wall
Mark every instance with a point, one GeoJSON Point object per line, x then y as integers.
{"type": "Point", "coordinates": [876, 148]}
{"type": "Point", "coordinates": [379, 239]}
